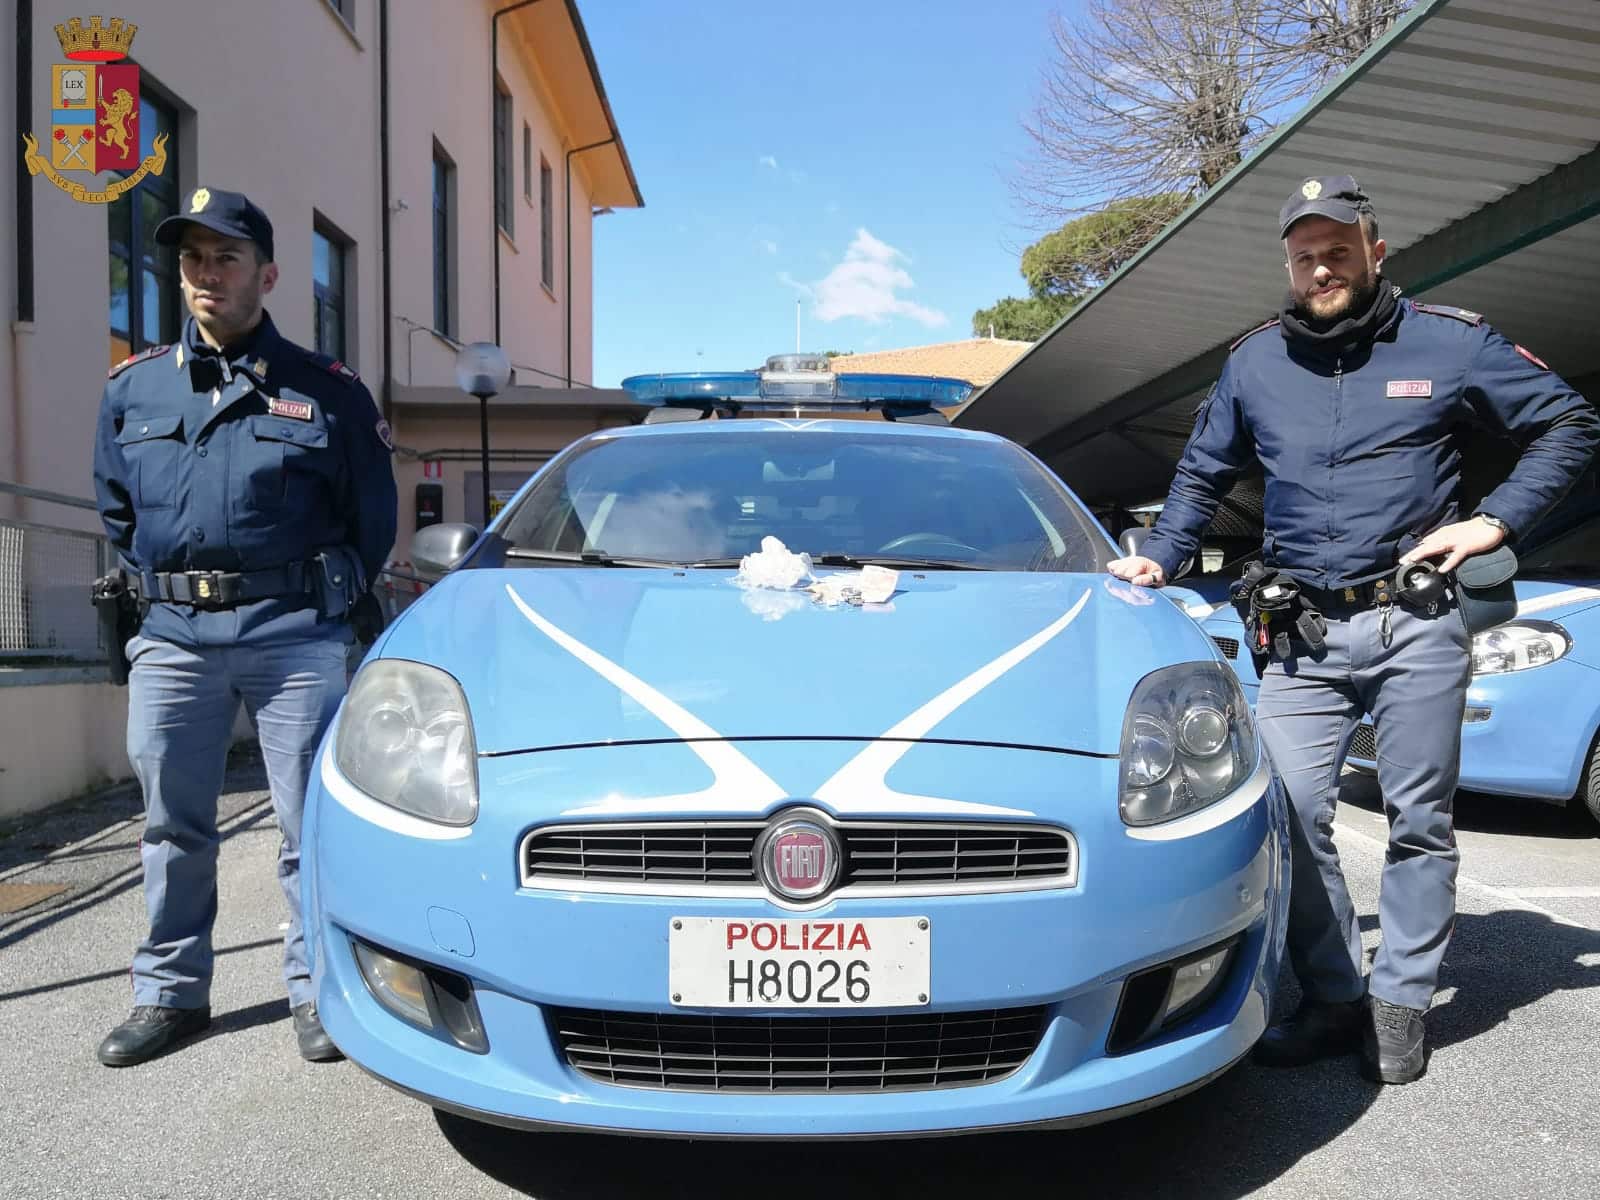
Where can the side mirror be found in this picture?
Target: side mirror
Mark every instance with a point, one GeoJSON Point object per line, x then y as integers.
{"type": "Point", "coordinates": [1132, 540]}
{"type": "Point", "coordinates": [436, 550]}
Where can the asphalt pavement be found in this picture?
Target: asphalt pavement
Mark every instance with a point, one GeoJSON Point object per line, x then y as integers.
{"type": "Point", "coordinates": [1508, 1109]}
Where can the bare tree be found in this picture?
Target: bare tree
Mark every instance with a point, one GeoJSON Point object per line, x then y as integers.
{"type": "Point", "coordinates": [1161, 97]}
{"type": "Point", "coordinates": [1326, 36]}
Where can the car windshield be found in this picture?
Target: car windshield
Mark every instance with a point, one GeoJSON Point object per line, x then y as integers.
{"type": "Point", "coordinates": [1576, 552]}
{"type": "Point", "coordinates": [711, 497]}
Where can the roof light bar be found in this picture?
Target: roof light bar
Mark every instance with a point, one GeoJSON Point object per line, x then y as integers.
{"type": "Point", "coordinates": [787, 387]}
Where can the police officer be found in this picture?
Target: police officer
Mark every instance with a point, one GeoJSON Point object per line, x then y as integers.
{"type": "Point", "coordinates": [246, 482]}
{"type": "Point", "coordinates": [1347, 401]}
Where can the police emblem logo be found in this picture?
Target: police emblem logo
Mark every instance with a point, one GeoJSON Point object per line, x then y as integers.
{"type": "Point", "coordinates": [1311, 189]}
{"type": "Point", "coordinates": [198, 201]}
{"type": "Point", "coordinates": [94, 113]}
{"type": "Point", "coordinates": [385, 434]}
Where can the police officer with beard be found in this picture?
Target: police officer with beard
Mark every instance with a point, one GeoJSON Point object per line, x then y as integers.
{"type": "Point", "coordinates": [1347, 401]}
{"type": "Point", "coordinates": [247, 486]}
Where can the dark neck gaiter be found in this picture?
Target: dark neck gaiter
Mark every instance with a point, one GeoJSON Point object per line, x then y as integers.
{"type": "Point", "coordinates": [1349, 332]}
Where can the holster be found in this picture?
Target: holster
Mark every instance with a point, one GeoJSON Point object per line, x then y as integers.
{"type": "Point", "coordinates": [1274, 610]}
{"type": "Point", "coordinates": [115, 598]}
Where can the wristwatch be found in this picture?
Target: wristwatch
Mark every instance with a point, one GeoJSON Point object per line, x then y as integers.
{"type": "Point", "coordinates": [1496, 522]}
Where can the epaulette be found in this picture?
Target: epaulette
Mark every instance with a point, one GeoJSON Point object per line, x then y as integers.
{"type": "Point", "coordinates": [1444, 310]}
{"type": "Point", "coordinates": [1252, 334]}
{"type": "Point", "coordinates": [148, 353]}
{"type": "Point", "coordinates": [335, 367]}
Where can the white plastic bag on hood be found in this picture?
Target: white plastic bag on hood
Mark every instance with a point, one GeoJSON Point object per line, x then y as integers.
{"type": "Point", "coordinates": [773, 566]}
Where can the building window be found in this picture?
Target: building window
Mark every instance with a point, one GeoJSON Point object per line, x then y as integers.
{"type": "Point", "coordinates": [146, 301]}
{"type": "Point", "coordinates": [527, 163]}
{"type": "Point", "coordinates": [444, 186]}
{"type": "Point", "coordinates": [329, 269]}
{"type": "Point", "coordinates": [547, 225]}
{"type": "Point", "coordinates": [502, 159]}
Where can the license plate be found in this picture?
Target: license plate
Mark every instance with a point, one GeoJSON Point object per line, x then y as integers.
{"type": "Point", "coordinates": [721, 962]}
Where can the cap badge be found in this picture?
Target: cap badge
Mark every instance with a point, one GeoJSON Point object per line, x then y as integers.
{"type": "Point", "coordinates": [1311, 189]}
{"type": "Point", "coordinates": [201, 198]}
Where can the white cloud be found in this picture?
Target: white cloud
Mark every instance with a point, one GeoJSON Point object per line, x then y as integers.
{"type": "Point", "coordinates": [770, 246]}
{"type": "Point", "coordinates": [866, 286]}
{"type": "Point", "coordinates": [767, 160]}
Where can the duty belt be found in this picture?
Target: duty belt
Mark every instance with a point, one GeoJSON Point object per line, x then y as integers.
{"type": "Point", "coordinates": [215, 590]}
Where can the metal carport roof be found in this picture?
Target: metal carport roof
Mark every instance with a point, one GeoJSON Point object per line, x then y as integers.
{"type": "Point", "coordinates": [1473, 125]}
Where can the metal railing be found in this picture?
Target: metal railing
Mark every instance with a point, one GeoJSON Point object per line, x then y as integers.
{"type": "Point", "coordinates": [45, 573]}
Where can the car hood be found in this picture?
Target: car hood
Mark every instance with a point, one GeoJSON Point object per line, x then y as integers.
{"type": "Point", "coordinates": [1555, 599]}
{"type": "Point", "coordinates": [584, 656]}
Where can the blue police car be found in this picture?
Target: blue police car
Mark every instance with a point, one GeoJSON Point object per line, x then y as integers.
{"type": "Point", "coordinates": [603, 839]}
{"type": "Point", "coordinates": [1532, 722]}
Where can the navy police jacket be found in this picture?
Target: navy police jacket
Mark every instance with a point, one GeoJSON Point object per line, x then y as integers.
{"type": "Point", "coordinates": [265, 457]}
{"type": "Point", "coordinates": [1358, 452]}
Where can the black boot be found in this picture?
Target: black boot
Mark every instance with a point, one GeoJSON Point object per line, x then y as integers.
{"type": "Point", "coordinates": [1393, 1048]}
{"type": "Point", "coordinates": [315, 1044]}
{"type": "Point", "coordinates": [1318, 1029]}
{"type": "Point", "coordinates": [148, 1031]}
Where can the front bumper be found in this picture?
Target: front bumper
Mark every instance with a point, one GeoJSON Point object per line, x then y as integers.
{"type": "Point", "coordinates": [1139, 901]}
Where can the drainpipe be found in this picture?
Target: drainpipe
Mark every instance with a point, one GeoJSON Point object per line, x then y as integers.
{"type": "Point", "coordinates": [568, 306]}
{"type": "Point", "coordinates": [494, 223]}
{"type": "Point", "coordinates": [387, 398]}
{"type": "Point", "coordinates": [24, 313]}
{"type": "Point", "coordinates": [24, 180]}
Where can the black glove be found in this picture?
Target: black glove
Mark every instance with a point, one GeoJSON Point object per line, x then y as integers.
{"type": "Point", "coordinates": [367, 619]}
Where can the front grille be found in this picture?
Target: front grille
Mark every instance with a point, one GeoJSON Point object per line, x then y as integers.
{"type": "Point", "coordinates": [720, 854]}
{"type": "Point", "coordinates": [906, 1052]}
{"type": "Point", "coordinates": [1229, 646]}
{"type": "Point", "coordinates": [1364, 745]}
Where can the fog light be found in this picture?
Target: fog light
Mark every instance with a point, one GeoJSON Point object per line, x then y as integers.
{"type": "Point", "coordinates": [398, 986]}
{"type": "Point", "coordinates": [1476, 714]}
{"type": "Point", "coordinates": [1158, 998]}
{"type": "Point", "coordinates": [1194, 981]}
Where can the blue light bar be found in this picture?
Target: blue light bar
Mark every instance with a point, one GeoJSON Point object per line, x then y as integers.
{"type": "Point", "coordinates": [904, 389]}
{"type": "Point", "coordinates": [787, 389]}
{"type": "Point", "coordinates": [703, 386]}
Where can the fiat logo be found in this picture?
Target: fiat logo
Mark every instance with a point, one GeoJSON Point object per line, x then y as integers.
{"type": "Point", "coordinates": [798, 858]}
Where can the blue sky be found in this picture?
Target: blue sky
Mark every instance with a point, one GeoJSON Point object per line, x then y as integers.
{"type": "Point", "coordinates": [853, 156]}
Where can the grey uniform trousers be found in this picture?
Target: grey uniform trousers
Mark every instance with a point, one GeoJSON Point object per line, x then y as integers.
{"type": "Point", "coordinates": [1415, 689]}
{"type": "Point", "coordinates": [181, 706]}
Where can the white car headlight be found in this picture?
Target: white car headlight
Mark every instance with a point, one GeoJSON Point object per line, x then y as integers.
{"type": "Point", "coordinates": [405, 739]}
{"type": "Point", "coordinates": [1187, 741]}
{"type": "Point", "coordinates": [1518, 646]}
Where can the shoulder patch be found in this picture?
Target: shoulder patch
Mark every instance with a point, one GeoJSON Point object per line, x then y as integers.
{"type": "Point", "coordinates": [142, 356]}
{"type": "Point", "coordinates": [1252, 334]}
{"type": "Point", "coordinates": [1444, 310]}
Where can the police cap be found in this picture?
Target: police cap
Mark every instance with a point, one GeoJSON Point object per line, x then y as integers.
{"type": "Point", "coordinates": [1338, 197]}
{"type": "Point", "coordinates": [228, 213]}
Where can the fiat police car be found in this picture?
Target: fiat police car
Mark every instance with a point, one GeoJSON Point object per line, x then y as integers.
{"type": "Point", "coordinates": [938, 829]}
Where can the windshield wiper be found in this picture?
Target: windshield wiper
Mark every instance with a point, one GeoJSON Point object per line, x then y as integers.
{"type": "Point", "coordinates": [837, 559]}
{"type": "Point", "coordinates": [840, 559]}
{"type": "Point", "coordinates": [585, 558]}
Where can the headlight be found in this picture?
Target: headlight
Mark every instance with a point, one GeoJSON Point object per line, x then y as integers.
{"type": "Point", "coordinates": [405, 739]}
{"type": "Point", "coordinates": [1187, 741]}
{"type": "Point", "coordinates": [1518, 646]}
